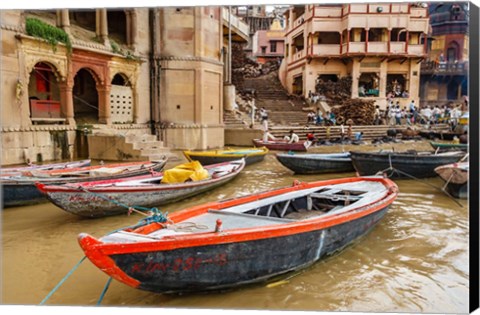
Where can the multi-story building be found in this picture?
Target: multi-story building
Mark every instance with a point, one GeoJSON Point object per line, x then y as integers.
{"type": "Point", "coordinates": [268, 45]}
{"type": "Point", "coordinates": [444, 74]}
{"type": "Point", "coordinates": [124, 71]}
{"type": "Point", "coordinates": [380, 45]}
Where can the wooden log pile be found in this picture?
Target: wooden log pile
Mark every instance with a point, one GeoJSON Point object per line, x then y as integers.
{"type": "Point", "coordinates": [335, 93]}
{"type": "Point", "coordinates": [360, 112]}
{"type": "Point", "coordinates": [244, 67]}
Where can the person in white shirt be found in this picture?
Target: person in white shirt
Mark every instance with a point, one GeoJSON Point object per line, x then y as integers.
{"type": "Point", "coordinates": [292, 137]}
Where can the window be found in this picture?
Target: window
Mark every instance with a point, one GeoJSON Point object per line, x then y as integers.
{"type": "Point", "coordinates": [264, 50]}
{"type": "Point", "coordinates": [273, 47]}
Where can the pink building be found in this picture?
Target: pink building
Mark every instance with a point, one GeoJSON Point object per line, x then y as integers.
{"type": "Point", "coordinates": [268, 45]}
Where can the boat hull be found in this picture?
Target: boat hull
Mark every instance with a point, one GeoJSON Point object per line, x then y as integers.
{"type": "Point", "coordinates": [229, 265]}
{"type": "Point", "coordinates": [209, 160]}
{"type": "Point", "coordinates": [99, 203]}
{"type": "Point", "coordinates": [309, 164]}
{"type": "Point", "coordinates": [281, 145]}
{"type": "Point", "coordinates": [449, 146]}
{"type": "Point", "coordinates": [22, 191]}
{"type": "Point", "coordinates": [409, 165]}
{"type": "Point", "coordinates": [459, 191]}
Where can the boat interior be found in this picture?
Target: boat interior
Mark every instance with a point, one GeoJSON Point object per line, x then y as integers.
{"type": "Point", "coordinates": [216, 171]}
{"type": "Point", "coordinates": [286, 208]}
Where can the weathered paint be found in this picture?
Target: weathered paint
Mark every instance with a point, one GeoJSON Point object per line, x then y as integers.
{"type": "Point", "coordinates": [210, 261]}
{"type": "Point", "coordinates": [22, 190]}
{"type": "Point", "coordinates": [316, 163]}
{"type": "Point", "coordinates": [416, 165]}
{"type": "Point", "coordinates": [281, 145]}
{"type": "Point", "coordinates": [99, 201]}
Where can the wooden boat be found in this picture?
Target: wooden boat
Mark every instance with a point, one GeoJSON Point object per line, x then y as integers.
{"type": "Point", "coordinates": [251, 155]}
{"type": "Point", "coordinates": [94, 199]}
{"type": "Point", "coordinates": [408, 164]}
{"type": "Point", "coordinates": [443, 146]}
{"type": "Point", "coordinates": [244, 240]}
{"type": "Point", "coordinates": [456, 178]}
{"type": "Point", "coordinates": [17, 170]}
{"type": "Point", "coordinates": [281, 145]}
{"type": "Point", "coordinates": [316, 163]}
{"type": "Point", "coordinates": [442, 135]}
{"type": "Point", "coordinates": [21, 190]}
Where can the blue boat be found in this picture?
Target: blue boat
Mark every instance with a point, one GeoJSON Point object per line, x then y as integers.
{"type": "Point", "coordinates": [21, 190]}
{"type": "Point", "coordinates": [316, 163]}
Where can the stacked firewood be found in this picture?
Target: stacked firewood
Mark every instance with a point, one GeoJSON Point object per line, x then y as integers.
{"type": "Point", "coordinates": [244, 67]}
{"type": "Point", "coordinates": [336, 93]}
{"type": "Point", "coordinates": [358, 111]}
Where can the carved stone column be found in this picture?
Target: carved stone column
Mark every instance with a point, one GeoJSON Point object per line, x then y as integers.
{"type": "Point", "coordinates": [104, 113]}
{"type": "Point", "coordinates": [65, 20]}
{"type": "Point", "coordinates": [66, 101]}
{"type": "Point", "coordinates": [102, 26]}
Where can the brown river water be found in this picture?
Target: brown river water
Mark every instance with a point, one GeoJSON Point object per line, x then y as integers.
{"type": "Point", "coordinates": [415, 260]}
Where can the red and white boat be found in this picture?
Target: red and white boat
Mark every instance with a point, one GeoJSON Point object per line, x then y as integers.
{"type": "Point", "coordinates": [115, 196]}
{"type": "Point", "coordinates": [225, 244]}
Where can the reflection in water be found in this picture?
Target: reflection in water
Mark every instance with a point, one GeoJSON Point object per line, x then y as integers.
{"type": "Point", "coordinates": [415, 260]}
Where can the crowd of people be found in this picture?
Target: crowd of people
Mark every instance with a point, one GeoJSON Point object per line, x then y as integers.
{"type": "Point", "coordinates": [427, 115]}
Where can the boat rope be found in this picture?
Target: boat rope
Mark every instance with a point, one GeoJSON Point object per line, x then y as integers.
{"type": "Point", "coordinates": [102, 295]}
{"type": "Point", "coordinates": [396, 170]}
{"type": "Point", "coordinates": [152, 215]}
{"type": "Point", "coordinates": [62, 281]}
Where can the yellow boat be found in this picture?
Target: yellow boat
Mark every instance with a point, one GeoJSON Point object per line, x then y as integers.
{"type": "Point", "coordinates": [251, 155]}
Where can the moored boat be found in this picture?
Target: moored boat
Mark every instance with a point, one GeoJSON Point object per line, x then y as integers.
{"type": "Point", "coordinates": [112, 197]}
{"type": "Point", "coordinates": [21, 190]}
{"type": "Point", "coordinates": [442, 146]}
{"type": "Point", "coordinates": [455, 177]}
{"type": "Point", "coordinates": [316, 163]}
{"type": "Point", "coordinates": [244, 240]}
{"type": "Point", "coordinates": [17, 170]}
{"type": "Point", "coordinates": [251, 155]}
{"type": "Point", "coordinates": [281, 145]}
{"type": "Point", "coordinates": [407, 164]}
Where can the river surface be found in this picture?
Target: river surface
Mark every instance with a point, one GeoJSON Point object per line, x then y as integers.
{"type": "Point", "coordinates": [415, 260]}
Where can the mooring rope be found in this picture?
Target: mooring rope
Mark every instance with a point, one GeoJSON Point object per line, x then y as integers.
{"type": "Point", "coordinates": [62, 281]}
{"type": "Point", "coordinates": [157, 215]}
{"type": "Point", "coordinates": [104, 291]}
{"type": "Point", "coordinates": [396, 170]}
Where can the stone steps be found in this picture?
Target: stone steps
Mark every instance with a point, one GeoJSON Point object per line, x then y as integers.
{"type": "Point", "coordinates": [369, 132]}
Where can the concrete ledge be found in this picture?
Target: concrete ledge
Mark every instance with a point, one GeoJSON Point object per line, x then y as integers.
{"type": "Point", "coordinates": [242, 137]}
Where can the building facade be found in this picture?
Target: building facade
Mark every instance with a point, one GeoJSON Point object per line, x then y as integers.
{"type": "Point", "coordinates": [444, 74]}
{"type": "Point", "coordinates": [380, 45]}
{"type": "Point", "coordinates": [122, 71]}
{"type": "Point", "coordinates": [268, 45]}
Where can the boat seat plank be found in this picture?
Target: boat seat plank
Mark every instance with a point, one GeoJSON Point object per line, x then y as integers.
{"type": "Point", "coordinates": [250, 216]}
{"type": "Point", "coordinates": [336, 197]}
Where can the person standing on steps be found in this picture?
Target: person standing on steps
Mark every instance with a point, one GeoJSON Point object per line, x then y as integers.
{"type": "Point", "coordinates": [264, 118]}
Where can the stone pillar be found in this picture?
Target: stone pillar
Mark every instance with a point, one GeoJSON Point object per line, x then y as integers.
{"type": "Point", "coordinates": [66, 101]}
{"type": "Point", "coordinates": [104, 113]}
{"type": "Point", "coordinates": [228, 97]}
{"type": "Point", "coordinates": [131, 26]}
{"type": "Point", "coordinates": [102, 26]}
{"type": "Point", "coordinates": [65, 20]}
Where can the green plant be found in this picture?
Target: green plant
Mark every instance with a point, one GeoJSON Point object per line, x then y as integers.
{"type": "Point", "coordinates": [53, 35]}
{"type": "Point", "coordinates": [115, 48]}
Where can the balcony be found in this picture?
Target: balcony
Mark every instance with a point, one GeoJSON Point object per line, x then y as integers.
{"type": "Point", "coordinates": [326, 49]}
{"type": "Point", "coordinates": [239, 27]}
{"type": "Point", "coordinates": [444, 68]}
{"type": "Point", "coordinates": [298, 55]}
{"type": "Point", "coordinates": [378, 47]}
{"type": "Point", "coordinates": [328, 11]}
{"type": "Point", "coordinates": [356, 47]}
{"type": "Point", "coordinates": [415, 50]}
{"type": "Point", "coordinates": [397, 47]}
